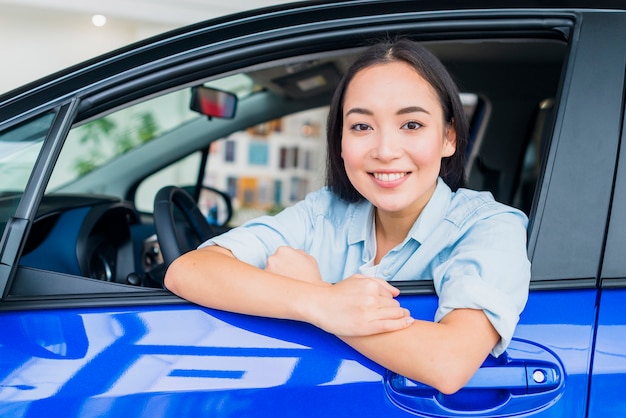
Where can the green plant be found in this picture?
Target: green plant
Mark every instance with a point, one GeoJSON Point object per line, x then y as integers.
{"type": "Point", "coordinates": [106, 139]}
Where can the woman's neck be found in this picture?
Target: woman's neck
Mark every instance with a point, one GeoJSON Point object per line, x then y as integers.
{"type": "Point", "coordinates": [391, 230]}
{"type": "Point", "coordinates": [392, 227]}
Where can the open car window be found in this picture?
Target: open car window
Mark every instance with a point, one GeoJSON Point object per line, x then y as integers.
{"type": "Point", "coordinates": [262, 169]}
{"type": "Point", "coordinates": [96, 220]}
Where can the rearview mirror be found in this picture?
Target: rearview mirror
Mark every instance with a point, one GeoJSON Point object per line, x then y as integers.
{"type": "Point", "coordinates": [213, 103]}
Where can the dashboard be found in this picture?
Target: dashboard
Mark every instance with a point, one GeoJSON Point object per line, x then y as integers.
{"type": "Point", "coordinates": [99, 237]}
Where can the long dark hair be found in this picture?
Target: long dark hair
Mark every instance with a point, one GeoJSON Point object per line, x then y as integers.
{"type": "Point", "coordinates": [433, 71]}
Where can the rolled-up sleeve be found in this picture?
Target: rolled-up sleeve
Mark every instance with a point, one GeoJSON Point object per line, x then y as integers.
{"type": "Point", "coordinates": [257, 239]}
{"type": "Point", "coordinates": [487, 269]}
{"type": "Point", "coordinates": [251, 243]}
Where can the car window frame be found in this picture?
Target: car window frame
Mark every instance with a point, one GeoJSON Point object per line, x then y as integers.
{"type": "Point", "coordinates": [92, 102]}
{"type": "Point", "coordinates": [575, 261]}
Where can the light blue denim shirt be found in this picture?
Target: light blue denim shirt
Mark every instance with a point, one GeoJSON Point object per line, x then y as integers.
{"type": "Point", "coordinates": [472, 247]}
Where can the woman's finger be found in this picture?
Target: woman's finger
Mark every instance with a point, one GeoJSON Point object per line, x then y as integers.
{"type": "Point", "coordinates": [388, 325]}
{"type": "Point", "coordinates": [385, 288]}
{"type": "Point", "coordinates": [391, 312]}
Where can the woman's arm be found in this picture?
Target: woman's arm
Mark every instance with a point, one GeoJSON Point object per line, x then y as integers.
{"type": "Point", "coordinates": [444, 355]}
{"type": "Point", "coordinates": [213, 277]}
{"type": "Point", "coordinates": [360, 310]}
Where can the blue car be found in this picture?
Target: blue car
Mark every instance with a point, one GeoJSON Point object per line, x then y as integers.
{"type": "Point", "coordinates": [113, 168]}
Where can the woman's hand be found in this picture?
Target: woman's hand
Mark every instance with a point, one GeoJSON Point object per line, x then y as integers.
{"type": "Point", "coordinates": [358, 306]}
{"type": "Point", "coordinates": [296, 264]}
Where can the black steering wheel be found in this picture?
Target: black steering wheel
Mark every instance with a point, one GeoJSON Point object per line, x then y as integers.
{"type": "Point", "coordinates": [179, 224]}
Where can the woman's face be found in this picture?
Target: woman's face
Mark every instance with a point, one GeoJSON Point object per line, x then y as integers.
{"type": "Point", "coordinates": [394, 137]}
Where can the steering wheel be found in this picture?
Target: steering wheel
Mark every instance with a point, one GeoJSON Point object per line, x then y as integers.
{"type": "Point", "coordinates": [172, 205]}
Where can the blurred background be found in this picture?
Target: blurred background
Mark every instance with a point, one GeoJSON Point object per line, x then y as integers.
{"type": "Point", "coordinates": [39, 37]}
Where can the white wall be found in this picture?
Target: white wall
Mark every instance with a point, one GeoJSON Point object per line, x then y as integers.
{"type": "Point", "coordinates": [36, 42]}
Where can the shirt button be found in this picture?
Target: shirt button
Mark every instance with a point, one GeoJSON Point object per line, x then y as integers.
{"type": "Point", "coordinates": [386, 273]}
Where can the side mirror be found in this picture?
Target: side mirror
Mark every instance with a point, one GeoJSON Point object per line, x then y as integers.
{"type": "Point", "coordinates": [213, 103]}
{"type": "Point", "coordinates": [215, 204]}
{"type": "Point", "coordinates": [218, 206]}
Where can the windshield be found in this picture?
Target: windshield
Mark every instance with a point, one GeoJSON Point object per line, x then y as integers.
{"type": "Point", "coordinates": [19, 149]}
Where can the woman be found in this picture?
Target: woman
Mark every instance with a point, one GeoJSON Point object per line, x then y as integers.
{"type": "Point", "coordinates": [393, 209]}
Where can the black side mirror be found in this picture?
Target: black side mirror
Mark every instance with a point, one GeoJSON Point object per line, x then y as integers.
{"type": "Point", "coordinates": [216, 204]}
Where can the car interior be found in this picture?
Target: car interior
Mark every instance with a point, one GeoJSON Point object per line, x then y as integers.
{"type": "Point", "coordinates": [97, 232]}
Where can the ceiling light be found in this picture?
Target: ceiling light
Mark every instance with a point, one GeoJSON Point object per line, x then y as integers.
{"type": "Point", "coordinates": [99, 20]}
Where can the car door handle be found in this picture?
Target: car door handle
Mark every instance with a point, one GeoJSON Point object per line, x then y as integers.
{"type": "Point", "coordinates": [518, 378]}
{"type": "Point", "coordinates": [524, 378]}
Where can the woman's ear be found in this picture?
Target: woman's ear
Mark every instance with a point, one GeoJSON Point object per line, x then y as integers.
{"type": "Point", "coordinates": [449, 140]}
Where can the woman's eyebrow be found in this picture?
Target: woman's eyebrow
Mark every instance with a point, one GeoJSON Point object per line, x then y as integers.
{"type": "Point", "coordinates": [359, 111]}
{"type": "Point", "coordinates": [403, 111]}
{"type": "Point", "coordinates": [412, 109]}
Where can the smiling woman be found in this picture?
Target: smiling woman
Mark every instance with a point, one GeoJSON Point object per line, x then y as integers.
{"type": "Point", "coordinates": [396, 137]}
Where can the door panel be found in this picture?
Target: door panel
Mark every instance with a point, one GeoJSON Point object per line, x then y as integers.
{"type": "Point", "coordinates": [142, 362]}
{"type": "Point", "coordinates": [553, 338]}
{"type": "Point", "coordinates": [561, 322]}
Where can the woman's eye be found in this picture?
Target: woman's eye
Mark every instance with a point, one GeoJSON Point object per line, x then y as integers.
{"type": "Point", "coordinates": [412, 125]}
{"type": "Point", "coordinates": [360, 127]}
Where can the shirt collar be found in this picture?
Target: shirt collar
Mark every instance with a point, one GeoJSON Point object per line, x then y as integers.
{"type": "Point", "coordinates": [433, 213]}
{"type": "Point", "coordinates": [361, 222]}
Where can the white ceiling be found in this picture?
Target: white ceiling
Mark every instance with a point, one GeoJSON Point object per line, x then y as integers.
{"type": "Point", "coordinates": [39, 37]}
{"type": "Point", "coordinates": [163, 12]}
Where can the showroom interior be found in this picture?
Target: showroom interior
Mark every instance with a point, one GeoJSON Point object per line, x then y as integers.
{"type": "Point", "coordinates": [39, 37]}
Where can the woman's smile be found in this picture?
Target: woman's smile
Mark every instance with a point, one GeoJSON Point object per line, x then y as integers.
{"type": "Point", "coordinates": [389, 179]}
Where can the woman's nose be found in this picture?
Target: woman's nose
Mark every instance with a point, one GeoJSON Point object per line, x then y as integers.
{"type": "Point", "coordinates": [386, 147]}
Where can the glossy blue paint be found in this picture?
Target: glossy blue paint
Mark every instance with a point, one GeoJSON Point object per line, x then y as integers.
{"type": "Point", "coordinates": [189, 361]}
{"type": "Point", "coordinates": [179, 361]}
{"type": "Point", "coordinates": [555, 329]}
{"type": "Point", "coordinates": [609, 366]}
{"type": "Point", "coordinates": [562, 322]}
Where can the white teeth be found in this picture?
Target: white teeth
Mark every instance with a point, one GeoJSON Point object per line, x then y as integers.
{"type": "Point", "coordinates": [389, 176]}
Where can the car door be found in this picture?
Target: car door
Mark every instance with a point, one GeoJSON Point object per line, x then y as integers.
{"type": "Point", "coordinates": [112, 351]}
